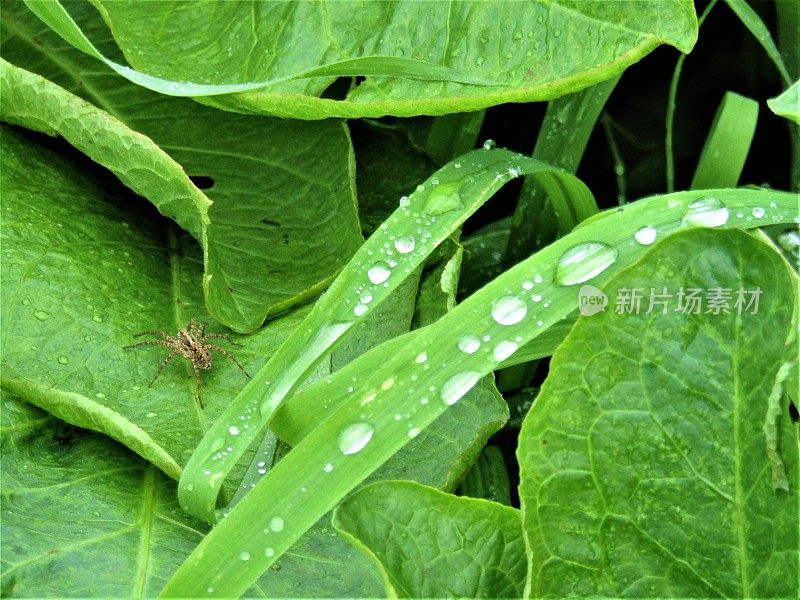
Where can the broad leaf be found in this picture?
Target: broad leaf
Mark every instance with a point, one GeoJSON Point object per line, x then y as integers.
{"type": "Point", "coordinates": [658, 459]}
{"type": "Point", "coordinates": [272, 183]}
{"type": "Point", "coordinates": [434, 545]}
{"type": "Point", "coordinates": [546, 49]}
{"type": "Point", "coordinates": [82, 517]}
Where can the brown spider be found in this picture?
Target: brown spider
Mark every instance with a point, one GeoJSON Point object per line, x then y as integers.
{"type": "Point", "coordinates": [192, 344]}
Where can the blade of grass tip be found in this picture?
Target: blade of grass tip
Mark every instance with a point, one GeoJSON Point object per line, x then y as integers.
{"type": "Point", "coordinates": [562, 140]}
{"type": "Point", "coordinates": [616, 156]}
{"type": "Point", "coordinates": [58, 19]}
{"type": "Point", "coordinates": [424, 220]}
{"type": "Point", "coordinates": [364, 432]}
{"type": "Point", "coordinates": [669, 124]}
{"type": "Point", "coordinates": [755, 25]}
{"type": "Point", "coordinates": [728, 143]}
{"type": "Point", "coordinates": [453, 135]}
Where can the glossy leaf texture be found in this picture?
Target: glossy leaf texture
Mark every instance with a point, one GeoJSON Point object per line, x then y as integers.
{"type": "Point", "coordinates": [659, 458]}
{"type": "Point", "coordinates": [283, 218]}
{"type": "Point", "coordinates": [544, 50]}
{"type": "Point", "coordinates": [74, 501]}
{"type": "Point", "coordinates": [434, 545]}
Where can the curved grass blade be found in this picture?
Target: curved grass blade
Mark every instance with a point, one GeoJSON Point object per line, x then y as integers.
{"type": "Point", "coordinates": [727, 144]}
{"type": "Point", "coordinates": [343, 450]}
{"type": "Point", "coordinates": [424, 220]}
{"type": "Point", "coordinates": [54, 14]}
{"type": "Point", "coordinates": [755, 25]}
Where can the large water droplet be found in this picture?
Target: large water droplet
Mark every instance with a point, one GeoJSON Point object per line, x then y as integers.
{"type": "Point", "coordinates": [489, 145]}
{"type": "Point", "coordinates": [354, 437]}
{"type": "Point", "coordinates": [509, 310]}
{"type": "Point", "coordinates": [469, 344]}
{"type": "Point", "coordinates": [404, 244]}
{"type": "Point", "coordinates": [41, 315]}
{"type": "Point", "coordinates": [379, 272]}
{"type": "Point", "coordinates": [646, 235]}
{"type": "Point", "coordinates": [245, 556]}
{"type": "Point", "coordinates": [458, 385]}
{"type": "Point", "coordinates": [276, 524]}
{"type": "Point", "coordinates": [706, 212]}
{"type": "Point", "coordinates": [758, 212]}
{"type": "Point", "coordinates": [583, 262]}
{"type": "Point", "coordinates": [360, 310]}
{"type": "Point", "coordinates": [503, 350]}
{"type": "Point", "coordinates": [421, 357]}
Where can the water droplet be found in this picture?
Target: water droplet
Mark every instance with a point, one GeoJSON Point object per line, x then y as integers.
{"type": "Point", "coordinates": [537, 279]}
{"type": "Point", "coordinates": [434, 181]}
{"type": "Point", "coordinates": [366, 298]}
{"type": "Point", "coordinates": [503, 350]}
{"type": "Point", "coordinates": [489, 145]}
{"type": "Point", "coordinates": [387, 384]}
{"type": "Point", "coordinates": [469, 344]}
{"type": "Point", "coordinates": [706, 212]}
{"type": "Point", "coordinates": [583, 262]}
{"type": "Point", "coordinates": [413, 432]}
{"type": "Point", "coordinates": [404, 244]}
{"type": "Point", "coordinates": [63, 360]}
{"type": "Point", "coordinates": [458, 385]}
{"type": "Point", "coordinates": [26, 301]}
{"type": "Point", "coordinates": [244, 556]}
{"type": "Point", "coordinates": [269, 552]}
{"type": "Point", "coordinates": [328, 467]}
{"type": "Point", "coordinates": [379, 272]}
{"type": "Point", "coordinates": [233, 430]}
{"type": "Point", "coordinates": [646, 235]}
{"type": "Point", "coordinates": [421, 357]}
{"type": "Point", "coordinates": [758, 212]}
{"type": "Point", "coordinates": [508, 310]}
{"type": "Point", "coordinates": [360, 309]}
{"type": "Point", "coordinates": [527, 285]}
{"type": "Point", "coordinates": [97, 319]}
{"type": "Point", "coordinates": [404, 201]}
{"type": "Point", "coordinates": [354, 437]}
{"type": "Point", "coordinates": [190, 486]}
{"type": "Point", "coordinates": [536, 297]}
{"type": "Point", "coordinates": [276, 524]}
{"type": "Point", "coordinates": [41, 315]}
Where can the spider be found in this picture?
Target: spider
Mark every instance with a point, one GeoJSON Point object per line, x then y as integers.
{"type": "Point", "coordinates": [192, 344]}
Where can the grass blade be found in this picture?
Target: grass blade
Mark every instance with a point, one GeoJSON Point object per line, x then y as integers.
{"type": "Point", "coordinates": [356, 439]}
{"type": "Point", "coordinates": [755, 25]}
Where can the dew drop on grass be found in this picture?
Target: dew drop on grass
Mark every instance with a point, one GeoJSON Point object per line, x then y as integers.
{"type": "Point", "coordinates": [245, 556]}
{"type": "Point", "coordinates": [527, 285]}
{"type": "Point", "coordinates": [469, 343]}
{"type": "Point", "coordinates": [503, 350]}
{"type": "Point", "coordinates": [758, 212]}
{"type": "Point", "coordinates": [404, 244]}
{"type": "Point", "coordinates": [26, 302]}
{"type": "Point", "coordinates": [360, 310]}
{"type": "Point", "coordinates": [489, 145]}
{"type": "Point", "coordinates": [706, 212]}
{"type": "Point", "coordinates": [536, 297]}
{"type": "Point", "coordinates": [63, 360]}
{"type": "Point", "coordinates": [328, 467]}
{"type": "Point", "coordinates": [508, 310]}
{"type": "Point", "coordinates": [366, 298]}
{"type": "Point", "coordinates": [379, 272]}
{"type": "Point", "coordinates": [354, 437]}
{"type": "Point", "coordinates": [537, 279]}
{"type": "Point", "coordinates": [421, 357]}
{"type": "Point", "coordinates": [583, 262]}
{"type": "Point", "coordinates": [233, 430]}
{"type": "Point", "coordinates": [41, 315]}
{"type": "Point", "coordinates": [413, 432]}
{"type": "Point", "coordinates": [269, 552]}
{"type": "Point", "coordinates": [646, 235]}
{"type": "Point", "coordinates": [458, 385]}
{"type": "Point", "coordinates": [276, 524]}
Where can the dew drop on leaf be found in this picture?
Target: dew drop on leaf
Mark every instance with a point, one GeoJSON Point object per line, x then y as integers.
{"type": "Point", "coordinates": [413, 432]}
{"type": "Point", "coordinates": [489, 145]}
{"type": "Point", "coordinates": [469, 344]}
{"type": "Point", "coordinates": [758, 212]}
{"type": "Point", "coordinates": [354, 437]}
{"type": "Point", "coordinates": [646, 235]}
{"type": "Point", "coordinates": [379, 272]}
{"type": "Point", "coordinates": [706, 212]}
{"type": "Point", "coordinates": [276, 524]}
{"type": "Point", "coordinates": [421, 357]}
{"type": "Point", "coordinates": [360, 310]}
{"type": "Point", "coordinates": [245, 556]}
{"type": "Point", "coordinates": [508, 310]}
{"type": "Point", "coordinates": [63, 360]}
{"type": "Point", "coordinates": [233, 430]}
{"type": "Point", "coordinates": [328, 467]}
{"type": "Point", "coordinates": [583, 262]}
{"type": "Point", "coordinates": [41, 315]}
{"type": "Point", "coordinates": [404, 244]}
{"type": "Point", "coordinates": [26, 302]}
{"type": "Point", "coordinates": [269, 552]}
{"type": "Point", "coordinates": [458, 385]}
{"type": "Point", "coordinates": [503, 350]}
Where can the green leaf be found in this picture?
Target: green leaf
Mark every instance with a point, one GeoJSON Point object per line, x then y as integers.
{"type": "Point", "coordinates": [433, 545]}
{"type": "Point", "coordinates": [787, 105]}
{"type": "Point", "coordinates": [84, 269]}
{"type": "Point", "coordinates": [81, 516]}
{"type": "Point", "coordinates": [727, 144]}
{"type": "Point", "coordinates": [294, 51]}
{"type": "Point", "coordinates": [645, 467]}
{"type": "Point", "coordinates": [271, 182]}
{"type": "Point", "coordinates": [756, 26]}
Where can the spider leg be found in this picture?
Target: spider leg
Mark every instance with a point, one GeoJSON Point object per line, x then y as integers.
{"type": "Point", "coordinates": [230, 356]}
{"type": "Point", "coordinates": [149, 343]}
{"type": "Point", "coordinates": [161, 368]}
{"type": "Point", "coordinates": [199, 385]}
{"type": "Point", "coordinates": [221, 336]}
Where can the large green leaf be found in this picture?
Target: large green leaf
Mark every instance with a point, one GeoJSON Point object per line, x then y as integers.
{"type": "Point", "coordinates": [657, 460]}
{"type": "Point", "coordinates": [83, 271]}
{"type": "Point", "coordinates": [81, 516]}
{"type": "Point", "coordinates": [543, 50]}
{"type": "Point", "coordinates": [273, 183]}
{"type": "Point", "coordinates": [434, 545]}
